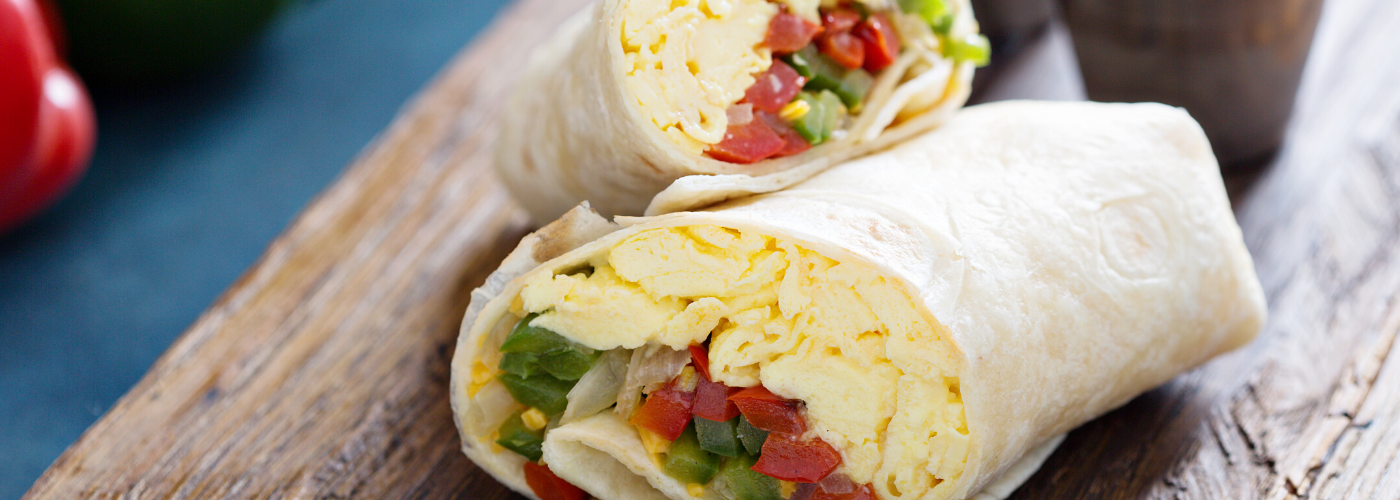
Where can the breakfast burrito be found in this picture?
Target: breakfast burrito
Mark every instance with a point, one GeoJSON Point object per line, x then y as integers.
{"type": "Point", "coordinates": [630, 95]}
{"type": "Point", "coordinates": [915, 324]}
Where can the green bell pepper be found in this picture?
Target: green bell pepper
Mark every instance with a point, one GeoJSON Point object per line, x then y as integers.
{"type": "Point", "coordinates": [751, 436]}
{"type": "Point", "coordinates": [746, 483]}
{"type": "Point", "coordinates": [688, 462]}
{"type": "Point", "coordinates": [541, 391]}
{"type": "Point", "coordinates": [720, 438]}
{"type": "Point", "coordinates": [974, 47]}
{"type": "Point", "coordinates": [529, 348]}
{"type": "Point", "coordinates": [516, 437]}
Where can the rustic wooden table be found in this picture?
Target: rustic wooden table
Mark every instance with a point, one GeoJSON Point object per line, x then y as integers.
{"type": "Point", "coordinates": [322, 373]}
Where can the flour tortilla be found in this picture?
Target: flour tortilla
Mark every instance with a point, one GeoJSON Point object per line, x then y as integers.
{"type": "Point", "coordinates": [1079, 254]}
{"type": "Point", "coordinates": [573, 132]}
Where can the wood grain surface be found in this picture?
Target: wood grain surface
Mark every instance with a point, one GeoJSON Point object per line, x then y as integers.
{"type": "Point", "coordinates": [322, 373]}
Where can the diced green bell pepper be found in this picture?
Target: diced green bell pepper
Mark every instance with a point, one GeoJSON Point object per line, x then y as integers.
{"type": "Point", "coordinates": [943, 24]}
{"type": "Point", "coordinates": [809, 126]}
{"type": "Point", "coordinates": [748, 484]}
{"type": "Point", "coordinates": [688, 462]}
{"type": "Point", "coordinates": [541, 391]}
{"type": "Point", "coordinates": [529, 348]}
{"type": "Point", "coordinates": [825, 112]}
{"type": "Point", "coordinates": [974, 47]}
{"type": "Point", "coordinates": [933, 12]}
{"type": "Point", "coordinates": [928, 10]}
{"type": "Point", "coordinates": [514, 436]}
{"type": "Point", "coordinates": [850, 86]}
{"type": "Point", "coordinates": [526, 338]}
{"type": "Point", "coordinates": [853, 87]}
{"type": "Point", "coordinates": [718, 437]}
{"type": "Point", "coordinates": [523, 364]}
{"type": "Point", "coordinates": [835, 112]}
{"type": "Point", "coordinates": [569, 364]}
{"type": "Point", "coordinates": [801, 61]}
{"type": "Point", "coordinates": [826, 74]}
{"type": "Point", "coordinates": [751, 436]}
{"type": "Point", "coordinates": [822, 73]}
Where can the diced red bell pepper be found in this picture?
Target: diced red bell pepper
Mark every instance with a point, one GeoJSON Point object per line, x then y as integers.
{"type": "Point", "coordinates": [880, 40]}
{"type": "Point", "coordinates": [769, 412]}
{"type": "Point", "coordinates": [774, 88]}
{"type": "Point", "coordinates": [666, 411]}
{"type": "Point", "coordinates": [548, 486]}
{"type": "Point", "coordinates": [786, 458]}
{"type": "Point", "coordinates": [712, 401]}
{"type": "Point", "coordinates": [859, 492]}
{"type": "Point", "coordinates": [842, 47]}
{"type": "Point", "coordinates": [711, 398]}
{"type": "Point", "coordinates": [794, 141]}
{"type": "Point", "coordinates": [788, 33]}
{"type": "Point", "coordinates": [834, 20]}
{"type": "Point", "coordinates": [747, 143]}
{"type": "Point", "coordinates": [700, 357]}
{"type": "Point", "coordinates": [836, 40]}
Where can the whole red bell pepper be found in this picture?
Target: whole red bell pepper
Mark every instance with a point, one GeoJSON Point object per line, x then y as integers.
{"type": "Point", "coordinates": [47, 128]}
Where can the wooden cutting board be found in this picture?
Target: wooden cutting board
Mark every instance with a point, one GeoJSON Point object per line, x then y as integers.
{"type": "Point", "coordinates": [322, 373]}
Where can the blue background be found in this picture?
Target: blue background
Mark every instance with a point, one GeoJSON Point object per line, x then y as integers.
{"type": "Point", "coordinates": [188, 185]}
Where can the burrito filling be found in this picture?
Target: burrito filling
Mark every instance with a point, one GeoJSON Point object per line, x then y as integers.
{"type": "Point", "coordinates": [750, 367]}
{"type": "Point", "coordinates": [705, 71]}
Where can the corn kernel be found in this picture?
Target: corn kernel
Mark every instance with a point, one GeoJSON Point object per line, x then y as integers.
{"type": "Point", "coordinates": [653, 442]}
{"type": "Point", "coordinates": [686, 381]}
{"type": "Point", "coordinates": [787, 488]}
{"type": "Point", "coordinates": [491, 439]}
{"type": "Point", "coordinates": [534, 419]}
{"type": "Point", "coordinates": [798, 108]}
{"type": "Point", "coordinates": [695, 490]}
{"type": "Point", "coordinates": [481, 375]}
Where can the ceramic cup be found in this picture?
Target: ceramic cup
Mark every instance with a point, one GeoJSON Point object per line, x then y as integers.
{"type": "Point", "coordinates": [1234, 65]}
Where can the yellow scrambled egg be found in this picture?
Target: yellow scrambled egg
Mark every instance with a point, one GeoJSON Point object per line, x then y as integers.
{"type": "Point", "coordinates": [687, 61]}
{"type": "Point", "coordinates": [878, 379]}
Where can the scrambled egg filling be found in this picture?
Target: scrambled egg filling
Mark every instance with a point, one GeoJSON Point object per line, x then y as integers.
{"type": "Point", "coordinates": [877, 376]}
{"type": "Point", "coordinates": [687, 61]}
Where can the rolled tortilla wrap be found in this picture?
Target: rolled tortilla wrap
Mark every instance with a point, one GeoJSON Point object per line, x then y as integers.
{"type": "Point", "coordinates": [628, 94]}
{"type": "Point", "coordinates": [944, 308]}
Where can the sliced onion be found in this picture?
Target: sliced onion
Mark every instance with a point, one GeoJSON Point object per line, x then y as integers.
{"type": "Point", "coordinates": [495, 405]}
{"type": "Point", "coordinates": [804, 491]}
{"type": "Point", "coordinates": [597, 389]}
{"type": "Point", "coordinates": [627, 400]}
{"type": "Point", "coordinates": [740, 114]}
{"type": "Point", "coordinates": [650, 368]}
{"type": "Point", "coordinates": [837, 483]}
{"type": "Point", "coordinates": [657, 366]}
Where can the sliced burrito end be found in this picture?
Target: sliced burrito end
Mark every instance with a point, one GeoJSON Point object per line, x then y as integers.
{"type": "Point", "coordinates": [875, 378]}
{"type": "Point", "coordinates": [633, 94]}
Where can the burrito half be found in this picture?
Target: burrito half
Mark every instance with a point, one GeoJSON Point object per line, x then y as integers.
{"type": "Point", "coordinates": [913, 324]}
{"type": "Point", "coordinates": [630, 95]}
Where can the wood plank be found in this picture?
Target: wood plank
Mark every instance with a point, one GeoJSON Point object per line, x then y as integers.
{"type": "Point", "coordinates": [1309, 410]}
{"type": "Point", "coordinates": [323, 372]}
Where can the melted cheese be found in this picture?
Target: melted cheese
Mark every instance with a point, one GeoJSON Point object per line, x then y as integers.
{"type": "Point", "coordinates": [878, 378]}
{"type": "Point", "coordinates": [687, 61]}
